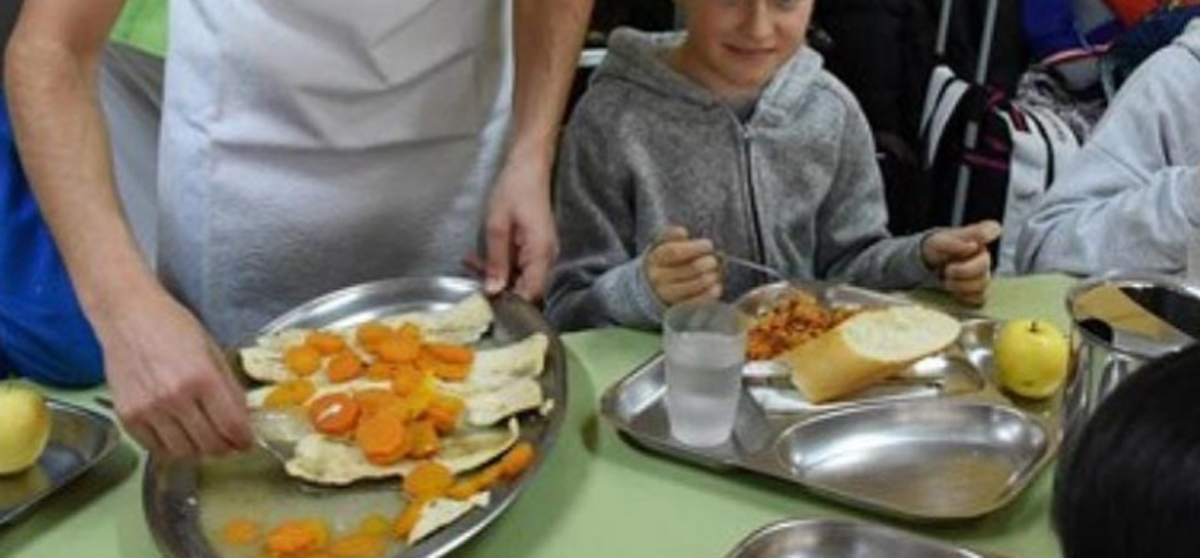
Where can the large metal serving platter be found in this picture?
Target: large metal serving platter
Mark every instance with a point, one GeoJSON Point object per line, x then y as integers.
{"type": "Point", "coordinates": [839, 538]}
{"type": "Point", "coordinates": [938, 442]}
{"type": "Point", "coordinates": [79, 439]}
{"type": "Point", "coordinates": [186, 503]}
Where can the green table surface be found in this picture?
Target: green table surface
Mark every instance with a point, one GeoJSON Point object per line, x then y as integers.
{"type": "Point", "coordinates": [596, 495]}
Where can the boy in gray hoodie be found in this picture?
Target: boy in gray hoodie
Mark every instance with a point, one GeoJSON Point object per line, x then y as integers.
{"type": "Point", "coordinates": [730, 138]}
{"type": "Point", "coordinates": [1131, 197]}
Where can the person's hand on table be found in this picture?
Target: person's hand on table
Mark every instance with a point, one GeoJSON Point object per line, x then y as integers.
{"type": "Point", "coordinates": [522, 241]}
{"type": "Point", "coordinates": [171, 387]}
{"type": "Point", "coordinates": [681, 269]}
{"type": "Point", "coordinates": [962, 259]}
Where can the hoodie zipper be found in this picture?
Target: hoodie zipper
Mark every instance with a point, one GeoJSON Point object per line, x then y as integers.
{"type": "Point", "coordinates": [756, 238]}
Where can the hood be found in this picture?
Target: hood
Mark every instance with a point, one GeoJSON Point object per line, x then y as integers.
{"type": "Point", "coordinates": [1190, 38]}
{"type": "Point", "coordinates": [639, 58]}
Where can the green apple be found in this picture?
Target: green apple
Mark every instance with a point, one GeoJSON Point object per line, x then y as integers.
{"type": "Point", "coordinates": [24, 427]}
{"type": "Point", "coordinates": [1031, 358]}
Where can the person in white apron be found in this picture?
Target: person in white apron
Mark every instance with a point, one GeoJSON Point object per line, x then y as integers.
{"type": "Point", "coordinates": [306, 145]}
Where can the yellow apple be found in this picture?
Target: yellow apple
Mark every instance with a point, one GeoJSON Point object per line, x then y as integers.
{"type": "Point", "coordinates": [1031, 358]}
{"type": "Point", "coordinates": [24, 427]}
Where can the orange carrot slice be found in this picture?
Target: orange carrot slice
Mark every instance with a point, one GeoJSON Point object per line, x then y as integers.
{"type": "Point", "coordinates": [380, 370]}
{"type": "Point", "coordinates": [289, 393]}
{"type": "Point", "coordinates": [444, 411]}
{"type": "Point", "coordinates": [302, 360]}
{"type": "Point", "coordinates": [370, 333]}
{"type": "Point", "coordinates": [344, 367]}
{"type": "Point", "coordinates": [300, 535]}
{"type": "Point", "coordinates": [410, 332]}
{"type": "Point", "coordinates": [428, 480]}
{"type": "Point", "coordinates": [408, 518]}
{"type": "Point", "coordinates": [407, 380]}
{"type": "Point", "coordinates": [398, 349]}
{"type": "Point", "coordinates": [516, 460]}
{"type": "Point", "coordinates": [373, 400]}
{"type": "Point", "coordinates": [325, 343]}
{"type": "Point", "coordinates": [451, 372]}
{"type": "Point", "coordinates": [425, 440]}
{"type": "Point", "coordinates": [452, 354]}
{"type": "Point", "coordinates": [334, 414]}
{"type": "Point", "coordinates": [382, 438]}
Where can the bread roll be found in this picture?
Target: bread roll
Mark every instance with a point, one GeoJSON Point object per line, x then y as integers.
{"type": "Point", "coordinates": [866, 349]}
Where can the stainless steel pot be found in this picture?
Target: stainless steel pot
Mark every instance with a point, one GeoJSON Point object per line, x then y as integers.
{"type": "Point", "coordinates": [1119, 323]}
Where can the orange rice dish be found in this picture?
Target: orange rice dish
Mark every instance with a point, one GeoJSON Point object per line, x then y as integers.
{"type": "Point", "coordinates": [791, 323]}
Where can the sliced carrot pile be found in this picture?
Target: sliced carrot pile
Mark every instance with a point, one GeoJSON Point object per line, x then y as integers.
{"type": "Point", "coordinates": [334, 414]}
{"type": "Point", "coordinates": [302, 360]}
{"type": "Point", "coordinates": [428, 480]}
{"type": "Point", "coordinates": [516, 460]}
{"type": "Point", "coordinates": [358, 545]}
{"type": "Point", "coordinates": [295, 536]}
{"type": "Point", "coordinates": [289, 393]}
{"type": "Point", "coordinates": [325, 343]}
{"type": "Point", "coordinates": [425, 440]}
{"type": "Point", "coordinates": [371, 333]}
{"type": "Point", "coordinates": [408, 518]}
{"type": "Point", "coordinates": [444, 411]}
{"type": "Point", "coordinates": [241, 531]}
{"type": "Point", "coordinates": [344, 366]}
{"type": "Point", "coordinates": [383, 438]}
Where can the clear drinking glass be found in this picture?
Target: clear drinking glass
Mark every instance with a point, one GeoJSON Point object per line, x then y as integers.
{"type": "Point", "coordinates": [705, 347]}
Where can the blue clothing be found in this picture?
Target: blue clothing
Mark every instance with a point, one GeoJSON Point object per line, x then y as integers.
{"type": "Point", "coordinates": [44, 335]}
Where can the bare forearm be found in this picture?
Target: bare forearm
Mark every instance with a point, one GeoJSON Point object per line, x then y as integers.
{"type": "Point", "coordinates": [548, 35]}
{"type": "Point", "coordinates": [64, 147]}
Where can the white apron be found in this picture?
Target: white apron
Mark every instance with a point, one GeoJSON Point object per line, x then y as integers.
{"type": "Point", "coordinates": [312, 144]}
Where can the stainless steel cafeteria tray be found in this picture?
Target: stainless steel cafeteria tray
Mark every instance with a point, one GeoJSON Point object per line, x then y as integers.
{"type": "Point", "coordinates": [938, 442]}
{"type": "Point", "coordinates": [79, 439]}
{"type": "Point", "coordinates": [837, 538]}
{"type": "Point", "coordinates": [186, 503]}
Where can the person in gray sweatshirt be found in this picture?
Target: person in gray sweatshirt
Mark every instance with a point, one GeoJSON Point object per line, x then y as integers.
{"type": "Point", "coordinates": [1131, 197]}
{"type": "Point", "coordinates": [729, 138]}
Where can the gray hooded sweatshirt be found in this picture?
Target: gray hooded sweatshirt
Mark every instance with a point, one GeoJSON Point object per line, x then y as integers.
{"type": "Point", "coordinates": [1131, 197]}
{"type": "Point", "coordinates": [795, 186]}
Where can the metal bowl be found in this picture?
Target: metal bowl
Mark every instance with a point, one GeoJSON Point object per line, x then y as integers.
{"type": "Point", "coordinates": [1119, 323]}
{"type": "Point", "coordinates": [834, 538]}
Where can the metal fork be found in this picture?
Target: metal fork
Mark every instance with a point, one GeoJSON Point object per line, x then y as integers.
{"type": "Point", "coordinates": [728, 258]}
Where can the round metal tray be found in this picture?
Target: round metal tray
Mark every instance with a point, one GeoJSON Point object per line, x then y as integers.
{"type": "Point", "coordinates": [178, 497]}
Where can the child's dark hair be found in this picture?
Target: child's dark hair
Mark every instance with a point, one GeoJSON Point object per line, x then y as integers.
{"type": "Point", "coordinates": [1131, 486]}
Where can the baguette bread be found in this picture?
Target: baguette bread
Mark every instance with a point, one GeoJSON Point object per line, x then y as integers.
{"type": "Point", "coordinates": [867, 348]}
